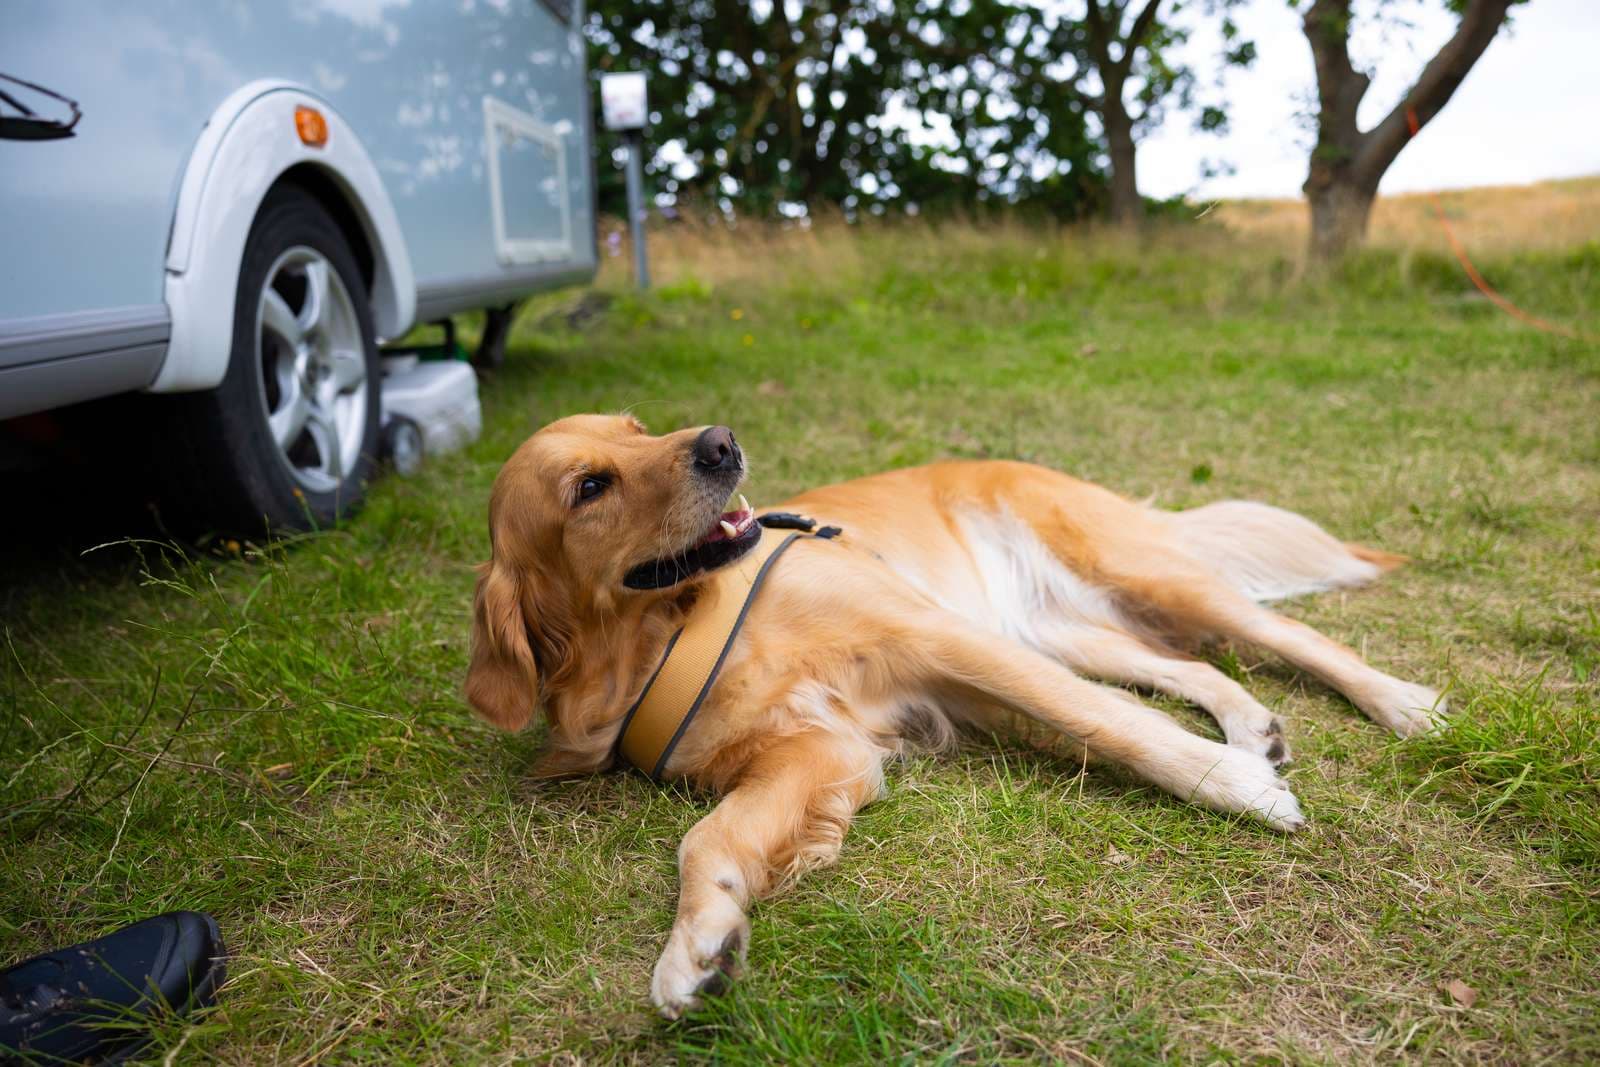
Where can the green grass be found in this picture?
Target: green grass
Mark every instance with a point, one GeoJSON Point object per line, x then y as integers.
{"type": "Point", "coordinates": [397, 888]}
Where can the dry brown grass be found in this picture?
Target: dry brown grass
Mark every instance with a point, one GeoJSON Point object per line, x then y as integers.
{"type": "Point", "coordinates": [827, 251]}
{"type": "Point", "coordinates": [712, 254]}
{"type": "Point", "coordinates": [1492, 219]}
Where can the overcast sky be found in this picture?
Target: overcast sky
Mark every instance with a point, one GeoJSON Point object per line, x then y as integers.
{"type": "Point", "coordinates": [1530, 109]}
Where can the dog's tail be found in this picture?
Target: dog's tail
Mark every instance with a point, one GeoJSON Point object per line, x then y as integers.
{"type": "Point", "coordinates": [1268, 553]}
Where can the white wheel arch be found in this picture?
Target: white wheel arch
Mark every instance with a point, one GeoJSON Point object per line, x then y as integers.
{"type": "Point", "coordinates": [247, 145]}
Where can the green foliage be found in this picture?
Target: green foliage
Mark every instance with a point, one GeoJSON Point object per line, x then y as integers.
{"type": "Point", "coordinates": [779, 105]}
{"type": "Point", "coordinates": [904, 105]}
{"type": "Point", "coordinates": [1148, 58]}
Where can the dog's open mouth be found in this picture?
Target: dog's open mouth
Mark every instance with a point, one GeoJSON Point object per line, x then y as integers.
{"type": "Point", "coordinates": [731, 536]}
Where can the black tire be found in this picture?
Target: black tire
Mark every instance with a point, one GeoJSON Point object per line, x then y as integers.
{"type": "Point", "coordinates": [402, 446]}
{"type": "Point", "coordinates": [231, 474]}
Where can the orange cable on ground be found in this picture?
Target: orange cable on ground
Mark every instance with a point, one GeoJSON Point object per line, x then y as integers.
{"type": "Point", "coordinates": [1472, 272]}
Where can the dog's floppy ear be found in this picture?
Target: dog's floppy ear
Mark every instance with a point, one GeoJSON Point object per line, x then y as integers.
{"type": "Point", "coordinates": [503, 679]}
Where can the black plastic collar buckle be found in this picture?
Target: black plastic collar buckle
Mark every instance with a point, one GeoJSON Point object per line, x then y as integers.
{"type": "Point", "coordinates": [788, 520]}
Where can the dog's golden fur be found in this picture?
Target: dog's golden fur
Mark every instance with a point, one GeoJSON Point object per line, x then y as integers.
{"type": "Point", "coordinates": [960, 594]}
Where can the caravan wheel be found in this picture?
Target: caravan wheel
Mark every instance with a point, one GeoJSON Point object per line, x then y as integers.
{"type": "Point", "coordinates": [290, 437]}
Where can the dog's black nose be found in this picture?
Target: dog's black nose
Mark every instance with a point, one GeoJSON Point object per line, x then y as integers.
{"type": "Point", "coordinates": [715, 449]}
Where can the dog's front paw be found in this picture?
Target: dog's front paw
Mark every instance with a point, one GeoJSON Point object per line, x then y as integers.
{"type": "Point", "coordinates": [700, 960]}
{"type": "Point", "coordinates": [1409, 709]}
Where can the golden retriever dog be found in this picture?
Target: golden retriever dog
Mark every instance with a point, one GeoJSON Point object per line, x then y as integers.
{"type": "Point", "coordinates": [961, 594]}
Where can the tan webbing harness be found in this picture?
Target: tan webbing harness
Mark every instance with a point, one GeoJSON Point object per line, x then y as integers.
{"type": "Point", "coordinates": [661, 716]}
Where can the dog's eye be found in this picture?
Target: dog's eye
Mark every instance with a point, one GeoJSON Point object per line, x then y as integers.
{"type": "Point", "coordinates": [590, 488]}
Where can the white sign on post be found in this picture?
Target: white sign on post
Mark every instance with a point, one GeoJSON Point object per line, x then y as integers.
{"type": "Point", "coordinates": [622, 101]}
{"type": "Point", "coordinates": [623, 107]}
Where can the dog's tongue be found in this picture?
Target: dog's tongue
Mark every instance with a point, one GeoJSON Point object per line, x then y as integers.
{"type": "Point", "coordinates": [730, 525]}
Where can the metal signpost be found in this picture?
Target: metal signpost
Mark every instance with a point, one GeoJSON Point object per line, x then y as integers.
{"type": "Point", "coordinates": [623, 105]}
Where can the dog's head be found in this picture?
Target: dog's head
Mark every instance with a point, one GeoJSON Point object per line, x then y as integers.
{"type": "Point", "coordinates": [593, 516]}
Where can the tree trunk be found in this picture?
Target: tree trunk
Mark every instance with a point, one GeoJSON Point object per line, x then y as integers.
{"type": "Point", "coordinates": [1339, 214]}
{"type": "Point", "coordinates": [1348, 163]}
{"type": "Point", "coordinates": [1104, 26]}
{"type": "Point", "coordinates": [1127, 209]}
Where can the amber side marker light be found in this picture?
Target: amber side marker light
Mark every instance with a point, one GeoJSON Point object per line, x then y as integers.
{"type": "Point", "coordinates": [311, 126]}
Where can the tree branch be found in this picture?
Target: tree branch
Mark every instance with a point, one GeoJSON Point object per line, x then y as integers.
{"type": "Point", "coordinates": [1434, 87]}
{"type": "Point", "coordinates": [1340, 86]}
{"type": "Point", "coordinates": [1142, 24]}
{"type": "Point", "coordinates": [1099, 37]}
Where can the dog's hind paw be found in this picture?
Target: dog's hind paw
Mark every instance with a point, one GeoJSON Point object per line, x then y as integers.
{"type": "Point", "coordinates": [1246, 783]}
{"type": "Point", "coordinates": [1263, 736]}
{"type": "Point", "coordinates": [1409, 709]}
{"type": "Point", "coordinates": [1278, 808]}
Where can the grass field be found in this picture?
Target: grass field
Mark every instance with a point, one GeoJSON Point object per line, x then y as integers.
{"type": "Point", "coordinates": [277, 736]}
{"type": "Point", "coordinates": [1501, 219]}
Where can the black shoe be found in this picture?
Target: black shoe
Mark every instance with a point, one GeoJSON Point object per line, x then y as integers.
{"type": "Point", "coordinates": [91, 1002]}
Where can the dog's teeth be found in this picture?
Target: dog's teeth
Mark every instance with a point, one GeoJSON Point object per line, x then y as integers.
{"type": "Point", "coordinates": [743, 503]}
{"type": "Point", "coordinates": [729, 529]}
